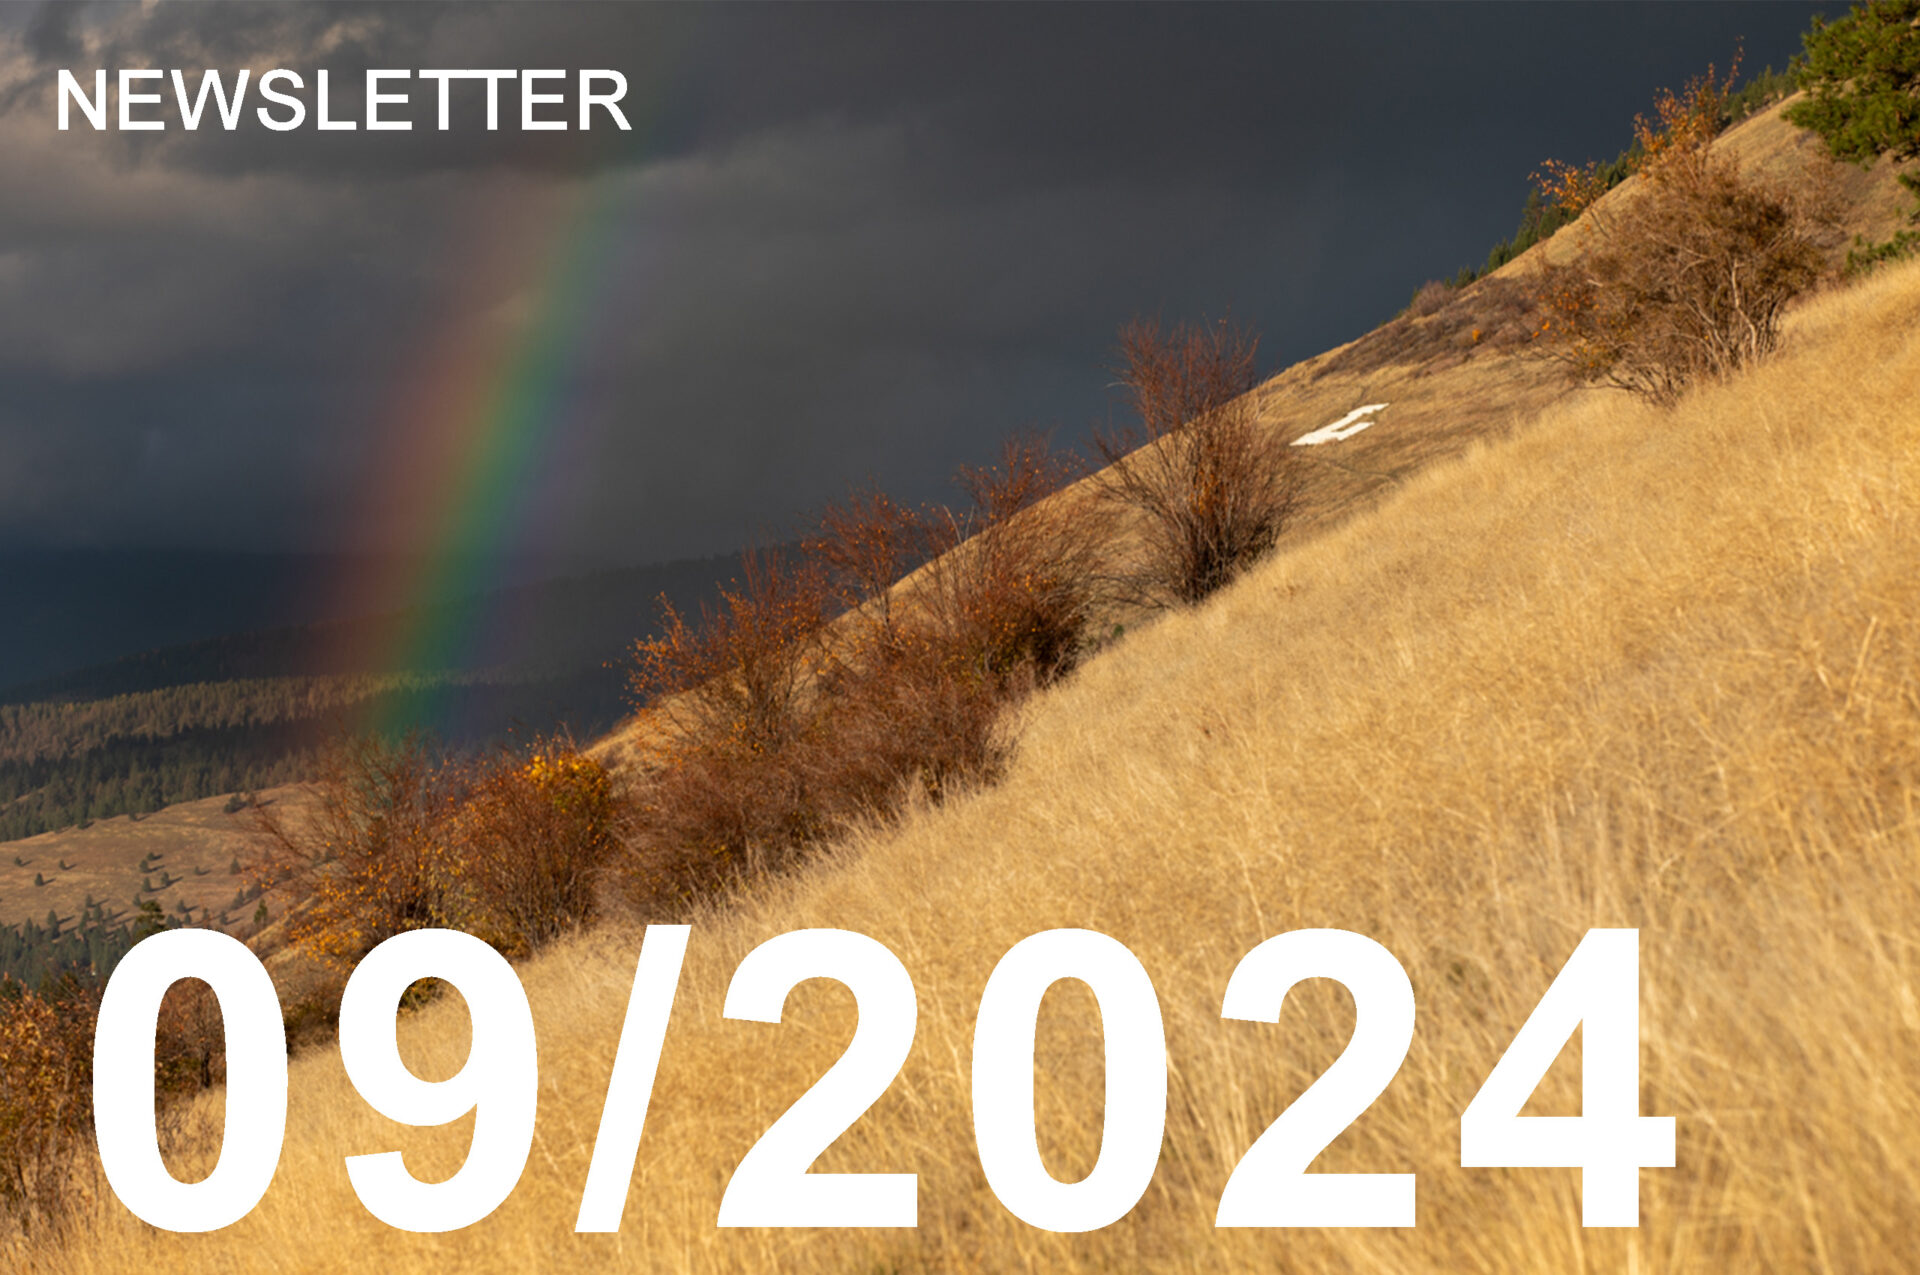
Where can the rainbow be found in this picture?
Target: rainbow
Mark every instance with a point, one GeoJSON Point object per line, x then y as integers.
{"type": "Point", "coordinates": [474, 431]}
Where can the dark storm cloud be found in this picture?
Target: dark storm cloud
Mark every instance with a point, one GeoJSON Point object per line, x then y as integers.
{"type": "Point", "coordinates": [849, 241]}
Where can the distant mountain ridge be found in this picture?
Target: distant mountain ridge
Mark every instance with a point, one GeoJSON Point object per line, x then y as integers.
{"type": "Point", "coordinates": [246, 710]}
{"type": "Point", "coordinates": [67, 613]}
{"type": "Point", "coordinates": [68, 609]}
{"type": "Point", "coordinates": [560, 626]}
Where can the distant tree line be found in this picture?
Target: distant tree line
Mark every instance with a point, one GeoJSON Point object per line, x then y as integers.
{"type": "Point", "coordinates": [59, 729]}
{"type": "Point", "coordinates": [134, 776]}
{"type": "Point", "coordinates": [35, 956]}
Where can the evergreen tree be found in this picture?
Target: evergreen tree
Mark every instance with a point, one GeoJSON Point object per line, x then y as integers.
{"type": "Point", "coordinates": [152, 920]}
{"type": "Point", "coordinates": [1862, 77]}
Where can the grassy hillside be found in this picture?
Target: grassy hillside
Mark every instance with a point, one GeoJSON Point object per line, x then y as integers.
{"type": "Point", "coordinates": [1625, 667]}
{"type": "Point", "coordinates": [181, 858]}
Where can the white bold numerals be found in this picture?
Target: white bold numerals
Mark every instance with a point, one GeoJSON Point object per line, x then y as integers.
{"type": "Point", "coordinates": [630, 1086]}
{"type": "Point", "coordinates": [1598, 990]}
{"type": "Point", "coordinates": [498, 1082]}
{"type": "Point", "coordinates": [1136, 1064]}
{"type": "Point", "coordinates": [772, 1186]}
{"type": "Point", "coordinates": [1271, 1185]}
{"type": "Point", "coordinates": [256, 1044]}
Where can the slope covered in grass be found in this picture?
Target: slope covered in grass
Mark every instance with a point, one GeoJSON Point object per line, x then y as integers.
{"type": "Point", "coordinates": [1625, 667]}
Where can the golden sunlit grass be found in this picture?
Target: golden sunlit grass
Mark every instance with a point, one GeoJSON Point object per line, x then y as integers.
{"type": "Point", "coordinates": [1625, 668]}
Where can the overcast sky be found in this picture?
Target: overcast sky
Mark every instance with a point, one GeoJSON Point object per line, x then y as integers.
{"type": "Point", "coordinates": [839, 244]}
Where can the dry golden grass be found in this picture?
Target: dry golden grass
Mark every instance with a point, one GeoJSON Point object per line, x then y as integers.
{"type": "Point", "coordinates": [1624, 668]}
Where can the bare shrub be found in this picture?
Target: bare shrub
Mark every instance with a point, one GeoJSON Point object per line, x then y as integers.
{"type": "Point", "coordinates": [864, 546]}
{"type": "Point", "coordinates": [743, 670]}
{"type": "Point", "coordinates": [46, 1082]}
{"type": "Point", "coordinates": [764, 733]}
{"type": "Point", "coordinates": [728, 703]}
{"type": "Point", "coordinates": [1003, 606]}
{"type": "Point", "coordinates": [1213, 486]}
{"type": "Point", "coordinates": [1501, 311]}
{"type": "Point", "coordinates": [370, 860]}
{"type": "Point", "coordinates": [1013, 584]}
{"type": "Point", "coordinates": [1432, 297]}
{"type": "Point", "coordinates": [908, 722]}
{"type": "Point", "coordinates": [190, 1041]}
{"type": "Point", "coordinates": [1689, 277]}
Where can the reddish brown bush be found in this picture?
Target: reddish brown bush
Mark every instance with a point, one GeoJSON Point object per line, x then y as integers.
{"type": "Point", "coordinates": [530, 835]}
{"type": "Point", "coordinates": [708, 810]}
{"type": "Point", "coordinates": [907, 721]}
{"type": "Point", "coordinates": [745, 669]}
{"type": "Point", "coordinates": [190, 1041]}
{"type": "Point", "coordinates": [1433, 296]}
{"type": "Point", "coordinates": [46, 1082]}
{"type": "Point", "coordinates": [1690, 274]}
{"type": "Point", "coordinates": [505, 847]}
{"type": "Point", "coordinates": [764, 734]}
{"type": "Point", "coordinates": [728, 704]}
{"type": "Point", "coordinates": [1003, 605]}
{"type": "Point", "coordinates": [864, 547]}
{"type": "Point", "coordinates": [1012, 589]}
{"type": "Point", "coordinates": [1212, 485]}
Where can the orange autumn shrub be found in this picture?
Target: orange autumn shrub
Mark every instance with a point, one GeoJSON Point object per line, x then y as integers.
{"type": "Point", "coordinates": [46, 1096]}
{"type": "Point", "coordinates": [1689, 276]}
{"type": "Point", "coordinates": [529, 838]}
{"type": "Point", "coordinates": [505, 847]}
{"type": "Point", "coordinates": [729, 703]}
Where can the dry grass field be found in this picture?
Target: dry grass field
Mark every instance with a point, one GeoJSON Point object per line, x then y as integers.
{"type": "Point", "coordinates": [1622, 667]}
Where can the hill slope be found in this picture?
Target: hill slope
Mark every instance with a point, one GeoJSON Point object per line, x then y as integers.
{"type": "Point", "coordinates": [1624, 668]}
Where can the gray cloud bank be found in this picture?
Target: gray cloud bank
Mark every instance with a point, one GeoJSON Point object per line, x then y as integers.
{"type": "Point", "coordinates": [839, 243]}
